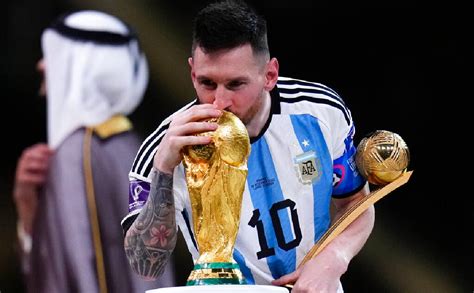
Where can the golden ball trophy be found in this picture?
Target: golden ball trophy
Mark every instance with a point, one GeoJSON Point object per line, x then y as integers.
{"type": "Point", "coordinates": [215, 176]}
{"type": "Point", "coordinates": [382, 157]}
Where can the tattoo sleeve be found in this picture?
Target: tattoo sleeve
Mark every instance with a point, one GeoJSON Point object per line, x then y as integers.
{"type": "Point", "coordinates": [152, 237]}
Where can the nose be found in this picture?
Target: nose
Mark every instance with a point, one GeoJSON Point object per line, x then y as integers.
{"type": "Point", "coordinates": [222, 98]}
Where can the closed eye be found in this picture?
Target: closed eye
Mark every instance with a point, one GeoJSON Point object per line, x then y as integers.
{"type": "Point", "coordinates": [207, 83]}
{"type": "Point", "coordinates": [235, 84]}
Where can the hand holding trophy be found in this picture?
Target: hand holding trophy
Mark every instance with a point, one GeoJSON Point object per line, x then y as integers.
{"type": "Point", "coordinates": [382, 158]}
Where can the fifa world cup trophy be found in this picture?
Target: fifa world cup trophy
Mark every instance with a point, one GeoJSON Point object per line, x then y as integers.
{"type": "Point", "coordinates": [215, 176]}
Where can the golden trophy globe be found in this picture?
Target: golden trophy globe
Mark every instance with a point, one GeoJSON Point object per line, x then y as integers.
{"type": "Point", "coordinates": [382, 157]}
{"type": "Point", "coordinates": [215, 175]}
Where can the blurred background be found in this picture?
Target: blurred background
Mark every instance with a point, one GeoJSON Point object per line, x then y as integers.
{"type": "Point", "coordinates": [397, 65]}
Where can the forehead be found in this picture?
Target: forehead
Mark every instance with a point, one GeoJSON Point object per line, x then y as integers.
{"type": "Point", "coordinates": [227, 62]}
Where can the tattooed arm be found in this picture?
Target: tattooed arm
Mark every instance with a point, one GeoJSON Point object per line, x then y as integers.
{"type": "Point", "coordinates": [152, 237]}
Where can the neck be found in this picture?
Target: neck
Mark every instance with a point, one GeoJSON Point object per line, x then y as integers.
{"type": "Point", "coordinates": [261, 116]}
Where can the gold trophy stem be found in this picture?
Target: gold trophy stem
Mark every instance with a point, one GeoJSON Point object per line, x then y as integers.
{"type": "Point", "coordinates": [351, 214]}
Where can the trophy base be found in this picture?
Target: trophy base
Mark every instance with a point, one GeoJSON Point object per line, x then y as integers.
{"type": "Point", "coordinates": [216, 273]}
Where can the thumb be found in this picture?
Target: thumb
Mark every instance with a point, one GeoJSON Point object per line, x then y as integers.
{"type": "Point", "coordinates": [287, 279]}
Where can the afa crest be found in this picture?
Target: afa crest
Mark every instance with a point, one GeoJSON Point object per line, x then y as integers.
{"type": "Point", "coordinates": [308, 167]}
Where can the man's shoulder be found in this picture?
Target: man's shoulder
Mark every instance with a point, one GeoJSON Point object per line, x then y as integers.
{"type": "Point", "coordinates": [298, 96]}
{"type": "Point", "coordinates": [144, 159]}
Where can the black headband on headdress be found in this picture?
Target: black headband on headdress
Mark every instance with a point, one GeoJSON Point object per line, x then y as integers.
{"type": "Point", "coordinates": [99, 37]}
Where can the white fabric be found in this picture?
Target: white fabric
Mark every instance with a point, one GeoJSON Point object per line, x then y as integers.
{"type": "Point", "coordinates": [86, 82]}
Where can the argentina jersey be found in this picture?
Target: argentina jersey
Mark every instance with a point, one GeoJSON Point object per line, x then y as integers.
{"type": "Point", "coordinates": [303, 157]}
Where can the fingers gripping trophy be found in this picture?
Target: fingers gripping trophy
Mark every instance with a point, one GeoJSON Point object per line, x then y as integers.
{"type": "Point", "coordinates": [216, 175]}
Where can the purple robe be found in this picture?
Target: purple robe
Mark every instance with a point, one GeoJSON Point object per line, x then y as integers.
{"type": "Point", "coordinates": [63, 256]}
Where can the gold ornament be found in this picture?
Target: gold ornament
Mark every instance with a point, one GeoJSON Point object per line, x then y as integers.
{"type": "Point", "coordinates": [382, 157]}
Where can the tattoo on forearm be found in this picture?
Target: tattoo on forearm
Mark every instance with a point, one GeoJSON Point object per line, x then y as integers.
{"type": "Point", "coordinates": [152, 237]}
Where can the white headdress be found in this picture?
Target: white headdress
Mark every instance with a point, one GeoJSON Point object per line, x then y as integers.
{"type": "Point", "coordinates": [94, 70]}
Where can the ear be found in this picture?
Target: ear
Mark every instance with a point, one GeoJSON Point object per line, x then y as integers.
{"type": "Point", "coordinates": [271, 74]}
{"type": "Point", "coordinates": [193, 74]}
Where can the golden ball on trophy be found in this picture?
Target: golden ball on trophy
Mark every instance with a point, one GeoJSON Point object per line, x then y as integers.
{"type": "Point", "coordinates": [382, 157]}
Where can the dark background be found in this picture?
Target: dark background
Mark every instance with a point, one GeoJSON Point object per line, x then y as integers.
{"type": "Point", "coordinates": [400, 66]}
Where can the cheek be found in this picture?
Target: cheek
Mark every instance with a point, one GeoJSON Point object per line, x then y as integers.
{"type": "Point", "coordinates": [246, 99]}
{"type": "Point", "coordinates": [245, 104]}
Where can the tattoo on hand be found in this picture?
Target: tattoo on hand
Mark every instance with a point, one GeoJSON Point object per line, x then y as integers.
{"type": "Point", "coordinates": [152, 237]}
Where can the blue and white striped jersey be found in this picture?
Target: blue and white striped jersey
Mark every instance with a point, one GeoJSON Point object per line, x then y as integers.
{"type": "Point", "coordinates": [302, 158]}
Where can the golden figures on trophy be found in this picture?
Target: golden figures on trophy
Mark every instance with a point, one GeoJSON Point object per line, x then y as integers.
{"type": "Point", "coordinates": [216, 174]}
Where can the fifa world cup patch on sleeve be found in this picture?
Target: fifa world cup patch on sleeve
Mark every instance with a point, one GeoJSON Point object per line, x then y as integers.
{"type": "Point", "coordinates": [308, 167]}
{"type": "Point", "coordinates": [138, 194]}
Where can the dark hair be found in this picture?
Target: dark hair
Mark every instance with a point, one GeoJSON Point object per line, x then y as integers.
{"type": "Point", "coordinates": [229, 24]}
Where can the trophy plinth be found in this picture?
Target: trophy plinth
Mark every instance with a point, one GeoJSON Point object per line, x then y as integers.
{"type": "Point", "coordinates": [215, 177]}
{"type": "Point", "coordinates": [216, 273]}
